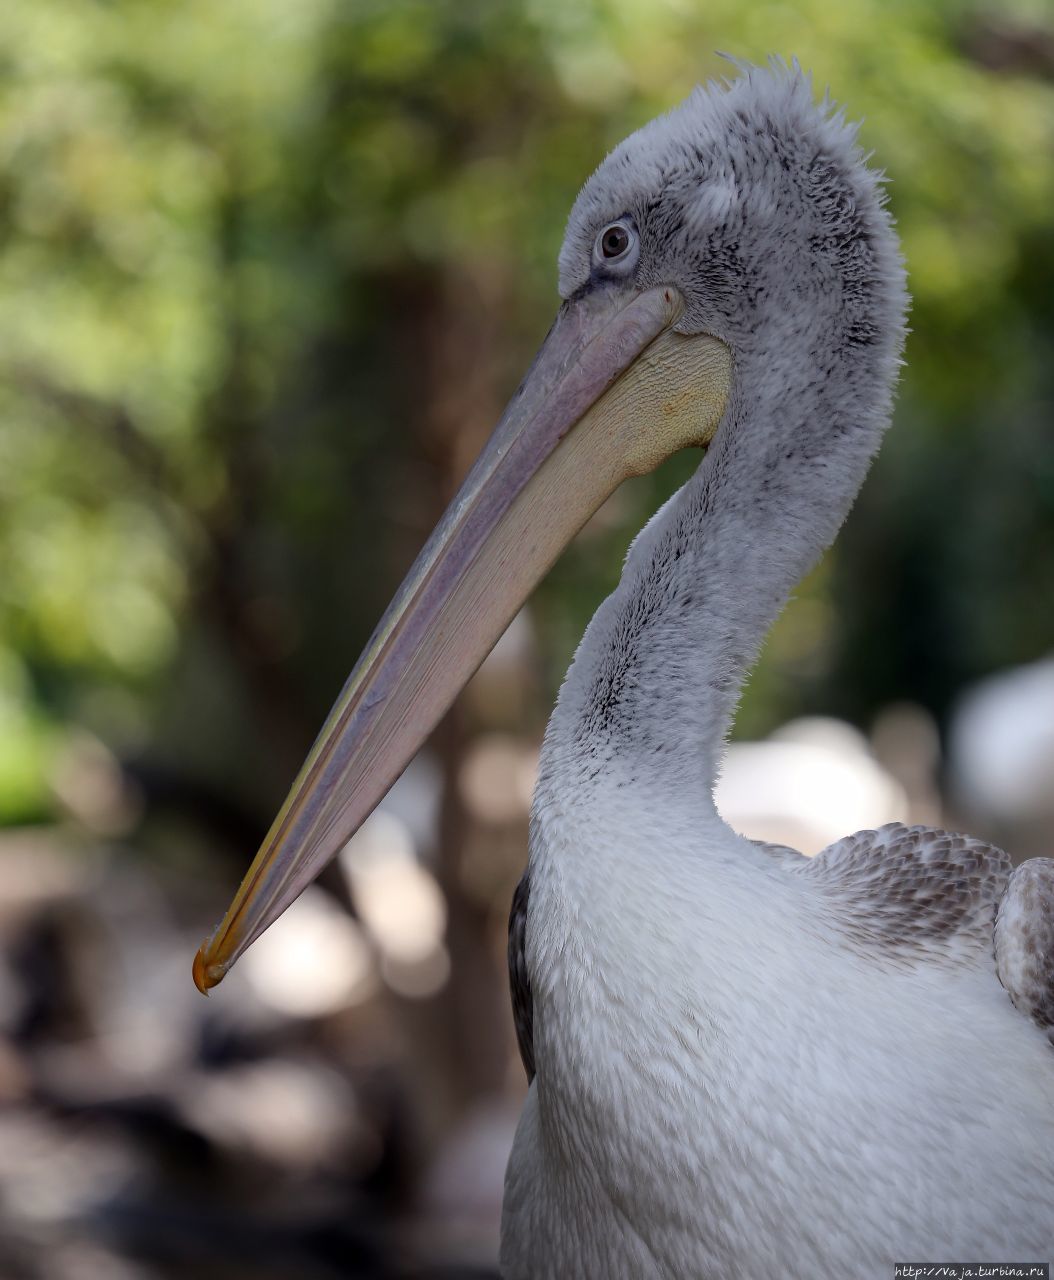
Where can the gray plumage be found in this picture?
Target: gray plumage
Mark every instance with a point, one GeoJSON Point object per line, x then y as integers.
{"type": "Point", "coordinates": [909, 895]}
{"type": "Point", "coordinates": [1024, 939]}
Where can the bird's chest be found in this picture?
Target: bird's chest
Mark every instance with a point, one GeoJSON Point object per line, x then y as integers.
{"type": "Point", "coordinates": [723, 1090]}
{"type": "Point", "coordinates": [652, 1023]}
{"type": "Point", "coordinates": [681, 1027]}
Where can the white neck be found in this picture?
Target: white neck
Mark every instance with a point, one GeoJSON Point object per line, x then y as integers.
{"type": "Point", "coordinates": [655, 681]}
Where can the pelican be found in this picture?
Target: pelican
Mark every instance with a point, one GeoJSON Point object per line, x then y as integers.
{"type": "Point", "coordinates": [743, 1062]}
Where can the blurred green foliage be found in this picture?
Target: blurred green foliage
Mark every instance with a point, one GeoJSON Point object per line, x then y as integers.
{"type": "Point", "coordinates": [256, 258]}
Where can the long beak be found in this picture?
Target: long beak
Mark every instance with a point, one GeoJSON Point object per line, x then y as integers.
{"type": "Point", "coordinates": [613, 391]}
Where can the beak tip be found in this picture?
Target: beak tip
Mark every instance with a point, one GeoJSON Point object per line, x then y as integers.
{"type": "Point", "coordinates": [206, 975]}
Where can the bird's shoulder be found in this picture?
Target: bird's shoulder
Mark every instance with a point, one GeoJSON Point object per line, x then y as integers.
{"type": "Point", "coordinates": [908, 894]}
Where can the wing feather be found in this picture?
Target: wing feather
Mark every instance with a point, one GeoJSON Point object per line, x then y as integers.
{"type": "Point", "coordinates": [1024, 940]}
{"type": "Point", "coordinates": [907, 894]}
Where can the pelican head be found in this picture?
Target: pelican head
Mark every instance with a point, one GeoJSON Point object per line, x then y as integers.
{"type": "Point", "coordinates": [729, 279]}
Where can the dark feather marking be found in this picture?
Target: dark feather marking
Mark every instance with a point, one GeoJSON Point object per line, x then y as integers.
{"type": "Point", "coordinates": [902, 894]}
{"type": "Point", "coordinates": [519, 979]}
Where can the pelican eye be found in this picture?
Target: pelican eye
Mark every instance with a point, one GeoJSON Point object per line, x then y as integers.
{"type": "Point", "coordinates": [613, 241]}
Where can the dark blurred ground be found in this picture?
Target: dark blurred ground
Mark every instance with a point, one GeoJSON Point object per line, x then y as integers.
{"type": "Point", "coordinates": [267, 274]}
{"type": "Point", "coordinates": [147, 1133]}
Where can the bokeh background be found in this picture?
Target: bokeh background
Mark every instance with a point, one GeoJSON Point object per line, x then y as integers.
{"type": "Point", "coordinates": [268, 271]}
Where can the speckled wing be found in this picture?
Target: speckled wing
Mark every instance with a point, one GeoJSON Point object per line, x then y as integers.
{"type": "Point", "coordinates": [1024, 940]}
{"type": "Point", "coordinates": [519, 981]}
{"type": "Point", "coordinates": [904, 895]}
